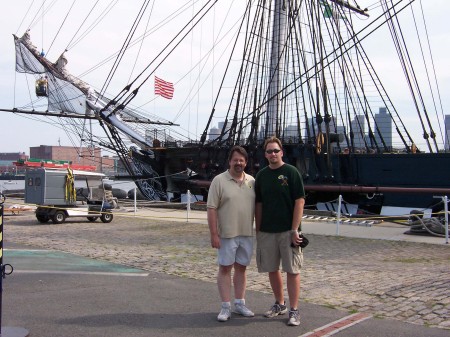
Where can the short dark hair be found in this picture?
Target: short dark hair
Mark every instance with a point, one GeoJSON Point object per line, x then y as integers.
{"type": "Point", "coordinates": [273, 139]}
{"type": "Point", "coordinates": [240, 150]}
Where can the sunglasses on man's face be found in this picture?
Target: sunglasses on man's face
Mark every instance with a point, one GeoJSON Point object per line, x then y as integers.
{"type": "Point", "coordinates": [272, 151]}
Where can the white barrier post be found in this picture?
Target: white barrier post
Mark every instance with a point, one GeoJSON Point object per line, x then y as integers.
{"type": "Point", "coordinates": [188, 205]}
{"type": "Point", "coordinates": [445, 199]}
{"type": "Point", "coordinates": [338, 221]}
{"type": "Point", "coordinates": [135, 203]}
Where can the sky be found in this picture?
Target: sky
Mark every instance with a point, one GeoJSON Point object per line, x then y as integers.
{"type": "Point", "coordinates": [20, 132]}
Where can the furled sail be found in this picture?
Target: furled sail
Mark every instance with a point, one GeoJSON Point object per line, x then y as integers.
{"type": "Point", "coordinates": [66, 93]}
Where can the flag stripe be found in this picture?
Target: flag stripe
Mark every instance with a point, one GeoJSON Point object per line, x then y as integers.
{"type": "Point", "coordinates": [163, 88]}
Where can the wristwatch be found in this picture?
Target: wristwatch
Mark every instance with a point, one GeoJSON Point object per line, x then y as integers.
{"type": "Point", "coordinates": [294, 231]}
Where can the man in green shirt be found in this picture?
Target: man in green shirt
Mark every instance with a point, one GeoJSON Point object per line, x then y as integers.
{"type": "Point", "coordinates": [280, 199]}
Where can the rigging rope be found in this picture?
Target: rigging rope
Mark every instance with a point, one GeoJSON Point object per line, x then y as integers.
{"type": "Point", "coordinates": [408, 70]}
{"type": "Point", "coordinates": [447, 135]}
{"type": "Point", "coordinates": [325, 98]}
{"type": "Point", "coordinates": [97, 21]}
{"type": "Point", "coordinates": [42, 32]}
{"type": "Point", "coordinates": [23, 19]}
{"type": "Point", "coordinates": [432, 133]}
{"type": "Point", "coordinates": [130, 97]}
{"type": "Point", "coordinates": [142, 43]}
{"type": "Point", "coordinates": [62, 24]}
{"type": "Point", "coordinates": [124, 48]}
{"type": "Point", "coordinates": [81, 25]}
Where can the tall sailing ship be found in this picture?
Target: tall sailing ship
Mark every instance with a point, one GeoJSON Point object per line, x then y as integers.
{"type": "Point", "coordinates": [296, 69]}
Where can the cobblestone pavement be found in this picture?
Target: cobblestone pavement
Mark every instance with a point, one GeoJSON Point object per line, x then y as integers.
{"type": "Point", "coordinates": [389, 279]}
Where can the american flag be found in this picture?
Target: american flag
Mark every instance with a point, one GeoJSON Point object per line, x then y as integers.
{"type": "Point", "coordinates": [163, 88]}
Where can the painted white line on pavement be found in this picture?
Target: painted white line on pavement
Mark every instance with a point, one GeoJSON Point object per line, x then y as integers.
{"type": "Point", "coordinates": [336, 326]}
{"type": "Point", "coordinates": [22, 271]}
{"type": "Point", "coordinates": [30, 250]}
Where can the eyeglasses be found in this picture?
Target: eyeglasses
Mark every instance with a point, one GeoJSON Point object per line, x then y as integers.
{"type": "Point", "coordinates": [272, 151]}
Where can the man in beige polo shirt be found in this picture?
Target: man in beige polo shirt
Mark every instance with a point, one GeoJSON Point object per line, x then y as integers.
{"type": "Point", "coordinates": [230, 210]}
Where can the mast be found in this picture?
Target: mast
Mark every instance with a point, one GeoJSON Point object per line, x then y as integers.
{"type": "Point", "coordinates": [277, 63]}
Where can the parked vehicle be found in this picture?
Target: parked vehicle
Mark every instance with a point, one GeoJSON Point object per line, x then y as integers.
{"type": "Point", "coordinates": [60, 194]}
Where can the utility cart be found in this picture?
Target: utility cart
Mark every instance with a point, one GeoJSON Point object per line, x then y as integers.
{"type": "Point", "coordinates": [63, 193]}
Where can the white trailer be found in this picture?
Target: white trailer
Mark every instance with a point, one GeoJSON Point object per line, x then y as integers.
{"type": "Point", "coordinates": [60, 194]}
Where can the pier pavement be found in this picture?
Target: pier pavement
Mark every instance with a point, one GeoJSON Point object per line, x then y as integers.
{"type": "Point", "coordinates": [371, 270]}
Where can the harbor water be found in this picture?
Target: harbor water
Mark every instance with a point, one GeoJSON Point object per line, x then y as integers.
{"type": "Point", "coordinates": [8, 185]}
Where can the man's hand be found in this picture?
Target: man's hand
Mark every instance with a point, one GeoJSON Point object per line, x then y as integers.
{"type": "Point", "coordinates": [296, 240]}
{"type": "Point", "coordinates": [215, 241]}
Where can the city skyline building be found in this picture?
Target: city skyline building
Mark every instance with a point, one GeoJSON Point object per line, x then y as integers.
{"type": "Point", "coordinates": [358, 128]}
{"type": "Point", "coordinates": [291, 132]}
{"type": "Point", "coordinates": [214, 132]}
{"type": "Point", "coordinates": [447, 132]}
{"type": "Point", "coordinates": [383, 128]}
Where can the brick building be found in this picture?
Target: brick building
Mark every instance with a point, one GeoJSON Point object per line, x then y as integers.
{"type": "Point", "coordinates": [6, 162]}
{"type": "Point", "coordinates": [76, 155]}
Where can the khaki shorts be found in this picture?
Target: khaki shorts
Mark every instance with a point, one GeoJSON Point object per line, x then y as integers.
{"type": "Point", "coordinates": [271, 248]}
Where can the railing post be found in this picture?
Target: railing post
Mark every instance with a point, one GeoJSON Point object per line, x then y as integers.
{"type": "Point", "coordinates": [338, 221]}
{"type": "Point", "coordinates": [188, 205]}
{"type": "Point", "coordinates": [445, 199]}
{"type": "Point", "coordinates": [135, 203]}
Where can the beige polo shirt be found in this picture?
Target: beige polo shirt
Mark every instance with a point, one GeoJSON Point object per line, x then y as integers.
{"type": "Point", "coordinates": [235, 204]}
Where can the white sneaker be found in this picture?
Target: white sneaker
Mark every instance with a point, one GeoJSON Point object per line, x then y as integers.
{"type": "Point", "coordinates": [224, 315]}
{"type": "Point", "coordinates": [241, 309]}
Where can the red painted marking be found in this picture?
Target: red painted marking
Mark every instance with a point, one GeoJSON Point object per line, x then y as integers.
{"type": "Point", "coordinates": [336, 326]}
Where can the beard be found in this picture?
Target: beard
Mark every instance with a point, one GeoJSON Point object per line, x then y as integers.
{"type": "Point", "coordinates": [273, 159]}
{"type": "Point", "coordinates": [238, 168]}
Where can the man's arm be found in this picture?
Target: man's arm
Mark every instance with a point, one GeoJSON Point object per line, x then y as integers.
{"type": "Point", "coordinates": [297, 220]}
{"type": "Point", "coordinates": [213, 230]}
{"type": "Point", "coordinates": [298, 213]}
{"type": "Point", "coordinates": [258, 216]}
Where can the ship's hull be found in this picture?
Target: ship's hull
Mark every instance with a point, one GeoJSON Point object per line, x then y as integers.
{"type": "Point", "coordinates": [193, 167]}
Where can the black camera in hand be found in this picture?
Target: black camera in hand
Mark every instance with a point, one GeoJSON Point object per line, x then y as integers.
{"type": "Point", "coordinates": [303, 244]}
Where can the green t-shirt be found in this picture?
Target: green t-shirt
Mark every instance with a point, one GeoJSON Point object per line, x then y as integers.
{"type": "Point", "coordinates": [277, 190]}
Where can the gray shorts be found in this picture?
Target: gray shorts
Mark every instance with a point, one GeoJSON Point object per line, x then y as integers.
{"type": "Point", "coordinates": [271, 248]}
{"type": "Point", "coordinates": [238, 249]}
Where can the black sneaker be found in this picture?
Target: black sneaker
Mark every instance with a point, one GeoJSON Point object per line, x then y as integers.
{"type": "Point", "coordinates": [275, 310]}
{"type": "Point", "coordinates": [294, 317]}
